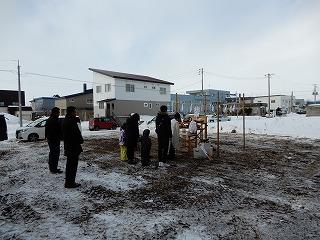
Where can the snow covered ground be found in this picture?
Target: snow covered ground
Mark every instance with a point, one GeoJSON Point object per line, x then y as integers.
{"type": "Point", "coordinates": [292, 125]}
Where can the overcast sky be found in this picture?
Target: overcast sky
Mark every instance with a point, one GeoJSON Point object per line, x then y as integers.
{"type": "Point", "coordinates": [236, 42]}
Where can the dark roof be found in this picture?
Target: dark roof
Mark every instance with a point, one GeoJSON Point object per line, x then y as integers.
{"type": "Point", "coordinates": [48, 98]}
{"type": "Point", "coordinates": [129, 76]}
{"type": "Point", "coordinates": [79, 94]}
{"type": "Point", "coordinates": [107, 100]}
{"type": "Point", "coordinates": [23, 108]}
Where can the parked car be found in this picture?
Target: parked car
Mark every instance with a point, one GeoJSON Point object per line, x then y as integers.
{"type": "Point", "coordinates": [102, 123]}
{"type": "Point", "coordinates": [301, 111]}
{"type": "Point", "coordinates": [35, 130]}
{"type": "Point", "coordinates": [221, 119]}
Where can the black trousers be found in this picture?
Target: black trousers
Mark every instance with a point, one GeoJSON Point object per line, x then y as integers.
{"type": "Point", "coordinates": [130, 153]}
{"type": "Point", "coordinates": [163, 146]}
{"type": "Point", "coordinates": [71, 168]}
{"type": "Point", "coordinates": [54, 153]}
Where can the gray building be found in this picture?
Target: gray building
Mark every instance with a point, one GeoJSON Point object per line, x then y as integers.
{"type": "Point", "coordinates": [43, 104]}
{"type": "Point", "coordinates": [205, 101]}
{"type": "Point", "coordinates": [83, 101]}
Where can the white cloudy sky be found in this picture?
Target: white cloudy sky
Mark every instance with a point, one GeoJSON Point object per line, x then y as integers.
{"type": "Point", "coordinates": [236, 42]}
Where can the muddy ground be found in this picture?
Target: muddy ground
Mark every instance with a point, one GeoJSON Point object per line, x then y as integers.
{"type": "Point", "coordinates": [269, 191]}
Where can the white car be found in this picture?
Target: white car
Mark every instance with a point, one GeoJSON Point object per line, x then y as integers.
{"type": "Point", "coordinates": [221, 119]}
{"type": "Point", "coordinates": [36, 130]}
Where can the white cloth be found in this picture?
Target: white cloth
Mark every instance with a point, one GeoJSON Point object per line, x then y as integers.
{"type": "Point", "coordinates": [175, 133]}
{"type": "Point", "coordinates": [193, 127]}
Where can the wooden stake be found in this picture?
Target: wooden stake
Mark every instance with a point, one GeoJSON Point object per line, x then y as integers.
{"type": "Point", "coordinates": [218, 126]}
{"type": "Point", "coordinates": [244, 123]}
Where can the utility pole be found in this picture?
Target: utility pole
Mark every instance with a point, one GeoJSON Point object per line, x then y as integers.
{"type": "Point", "coordinates": [269, 100]}
{"type": "Point", "coordinates": [315, 93]}
{"type": "Point", "coordinates": [19, 95]}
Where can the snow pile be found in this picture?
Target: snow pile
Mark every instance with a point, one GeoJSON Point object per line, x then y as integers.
{"type": "Point", "coordinates": [13, 123]}
{"type": "Point", "coordinates": [10, 119]}
{"type": "Point", "coordinates": [292, 125]}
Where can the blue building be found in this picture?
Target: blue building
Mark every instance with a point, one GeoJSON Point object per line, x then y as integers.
{"type": "Point", "coordinates": [43, 105]}
{"type": "Point", "coordinates": [204, 101]}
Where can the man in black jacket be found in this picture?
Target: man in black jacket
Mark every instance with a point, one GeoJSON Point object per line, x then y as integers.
{"type": "Point", "coordinates": [3, 128]}
{"type": "Point", "coordinates": [163, 130]}
{"type": "Point", "coordinates": [132, 136]}
{"type": "Point", "coordinates": [53, 134]}
{"type": "Point", "coordinates": [72, 146]}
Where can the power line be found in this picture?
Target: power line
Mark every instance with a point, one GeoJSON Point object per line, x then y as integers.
{"type": "Point", "coordinates": [232, 77]}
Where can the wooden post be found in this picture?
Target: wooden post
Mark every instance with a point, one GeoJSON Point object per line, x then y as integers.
{"type": "Point", "coordinates": [218, 126]}
{"type": "Point", "coordinates": [244, 123]}
{"type": "Point", "coordinates": [205, 104]}
{"type": "Point", "coordinates": [177, 102]}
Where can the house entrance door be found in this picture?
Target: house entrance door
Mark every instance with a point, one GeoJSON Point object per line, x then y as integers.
{"type": "Point", "coordinates": [108, 110]}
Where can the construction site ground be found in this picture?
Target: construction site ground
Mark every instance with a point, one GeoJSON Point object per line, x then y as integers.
{"type": "Point", "coordinates": [270, 190]}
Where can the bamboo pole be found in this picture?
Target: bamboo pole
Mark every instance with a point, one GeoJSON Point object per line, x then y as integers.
{"type": "Point", "coordinates": [218, 125]}
{"type": "Point", "coordinates": [177, 102]}
{"type": "Point", "coordinates": [244, 123]}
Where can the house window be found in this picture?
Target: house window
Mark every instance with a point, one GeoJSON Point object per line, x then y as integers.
{"type": "Point", "coordinates": [98, 89]}
{"type": "Point", "coordinates": [163, 90]}
{"type": "Point", "coordinates": [145, 104]}
{"type": "Point", "coordinates": [89, 101]}
{"type": "Point", "coordinates": [1, 104]}
{"type": "Point", "coordinates": [129, 88]}
{"type": "Point", "coordinates": [107, 87]}
{"type": "Point", "coordinates": [145, 86]}
{"type": "Point", "coordinates": [157, 104]}
{"type": "Point", "coordinates": [71, 100]}
{"type": "Point", "coordinates": [101, 105]}
{"type": "Point", "coordinates": [273, 101]}
{"type": "Point", "coordinates": [153, 87]}
{"type": "Point", "coordinates": [150, 105]}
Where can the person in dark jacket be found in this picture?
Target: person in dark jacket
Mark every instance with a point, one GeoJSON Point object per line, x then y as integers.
{"type": "Point", "coordinates": [163, 130]}
{"type": "Point", "coordinates": [72, 146]}
{"type": "Point", "coordinates": [3, 128]}
{"type": "Point", "coordinates": [53, 133]}
{"type": "Point", "coordinates": [132, 136]}
{"type": "Point", "coordinates": [145, 147]}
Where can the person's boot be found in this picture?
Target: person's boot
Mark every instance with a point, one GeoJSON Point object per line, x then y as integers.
{"type": "Point", "coordinates": [72, 185]}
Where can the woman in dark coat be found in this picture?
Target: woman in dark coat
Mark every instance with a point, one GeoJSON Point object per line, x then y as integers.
{"type": "Point", "coordinates": [3, 128]}
{"type": "Point", "coordinates": [132, 136]}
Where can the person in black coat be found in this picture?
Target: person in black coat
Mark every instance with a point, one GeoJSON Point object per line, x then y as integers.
{"type": "Point", "coordinates": [53, 133]}
{"type": "Point", "coordinates": [72, 146]}
{"type": "Point", "coordinates": [163, 130]}
{"type": "Point", "coordinates": [3, 128]}
{"type": "Point", "coordinates": [145, 147]}
{"type": "Point", "coordinates": [132, 136]}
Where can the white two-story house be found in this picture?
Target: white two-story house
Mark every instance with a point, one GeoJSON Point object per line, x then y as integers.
{"type": "Point", "coordinates": [119, 94]}
{"type": "Point", "coordinates": [285, 102]}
